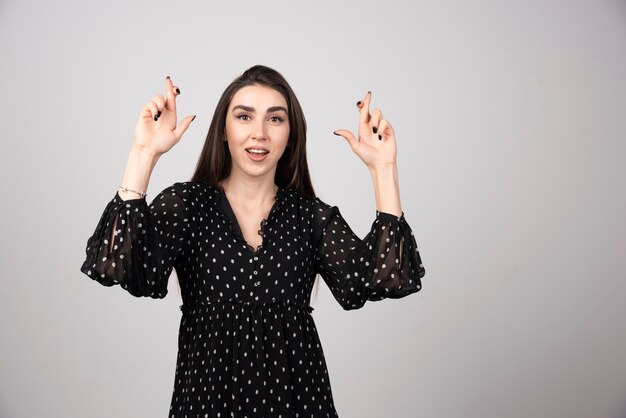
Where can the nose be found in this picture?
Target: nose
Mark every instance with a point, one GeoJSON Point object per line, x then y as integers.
{"type": "Point", "coordinates": [259, 131]}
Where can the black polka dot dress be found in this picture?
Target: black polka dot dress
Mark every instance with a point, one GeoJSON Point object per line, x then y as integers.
{"type": "Point", "coordinates": [248, 345]}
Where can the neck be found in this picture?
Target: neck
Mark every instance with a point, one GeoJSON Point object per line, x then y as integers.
{"type": "Point", "coordinates": [250, 192]}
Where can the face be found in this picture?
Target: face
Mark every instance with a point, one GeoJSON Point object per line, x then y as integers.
{"type": "Point", "coordinates": [257, 130]}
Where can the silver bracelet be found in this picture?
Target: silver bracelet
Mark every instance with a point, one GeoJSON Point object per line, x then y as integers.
{"type": "Point", "coordinates": [126, 189]}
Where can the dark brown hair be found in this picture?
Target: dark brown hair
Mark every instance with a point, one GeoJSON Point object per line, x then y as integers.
{"type": "Point", "coordinates": [292, 171]}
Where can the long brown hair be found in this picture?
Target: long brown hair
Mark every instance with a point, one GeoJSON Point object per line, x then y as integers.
{"type": "Point", "coordinates": [292, 171]}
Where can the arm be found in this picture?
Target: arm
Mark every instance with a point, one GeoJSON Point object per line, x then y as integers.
{"type": "Point", "coordinates": [133, 245]}
{"type": "Point", "coordinates": [136, 177]}
{"type": "Point", "coordinates": [376, 146]}
{"type": "Point", "coordinates": [384, 264]}
{"type": "Point", "coordinates": [146, 245]}
{"type": "Point", "coordinates": [155, 134]}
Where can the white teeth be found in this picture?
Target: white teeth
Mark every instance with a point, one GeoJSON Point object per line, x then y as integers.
{"type": "Point", "coordinates": [257, 151]}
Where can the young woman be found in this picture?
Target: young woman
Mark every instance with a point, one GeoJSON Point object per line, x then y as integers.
{"type": "Point", "coordinates": [247, 237]}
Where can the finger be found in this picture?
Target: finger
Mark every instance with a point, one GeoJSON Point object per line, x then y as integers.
{"type": "Point", "coordinates": [385, 129]}
{"type": "Point", "coordinates": [183, 125]}
{"type": "Point", "coordinates": [171, 94]}
{"type": "Point", "coordinates": [146, 112]}
{"type": "Point", "coordinates": [359, 104]}
{"type": "Point", "coordinates": [381, 128]}
{"type": "Point", "coordinates": [160, 101]}
{"type": "Point", "coordinates": [153, 110]}
{"type": "Point", "coordinates": [348, 136]}
{"type": "Point", "coordinates": [365, 109]}
{"type": "Point", "coordinates": [377, 115]}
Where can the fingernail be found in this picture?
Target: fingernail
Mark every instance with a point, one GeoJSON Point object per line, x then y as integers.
{"type": "Point", "coordinates": [177, 90]}
{"type": "Point", "coordinates": [380, 138]}
{"type": "Point", "coordinates": [158, 115]}
{"type": "Point", "coordinates": [336, 133]}
{"type": "Point", "coordinates": [167, 78]}
{"type": "Point", "coordinates": [369, 92]}
{"type": "Point", "coordinates": [375, 129]}
{"type": "Point", "coordinates": [358, 103]}
{"type": "Point", "coordinates": [194, 116]}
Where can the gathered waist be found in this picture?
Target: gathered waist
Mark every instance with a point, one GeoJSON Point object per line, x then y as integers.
{"type": "Point", "coordinates": [248, 304]}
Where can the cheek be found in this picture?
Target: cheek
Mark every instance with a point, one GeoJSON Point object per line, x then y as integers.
{"type": "Point", "coordinates": [235, 133]}
{"type": "Point", "coordinates": [283, 133]}
{"type": "Point", "coordinates": [230, 129]}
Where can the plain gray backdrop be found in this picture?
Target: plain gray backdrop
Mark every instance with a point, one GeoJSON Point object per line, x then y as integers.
{"type": "Point", "coordinates": [510, 119]}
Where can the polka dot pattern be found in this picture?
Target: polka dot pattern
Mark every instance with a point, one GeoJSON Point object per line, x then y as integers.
{"type": "Point", "coordinates": [248, 345]}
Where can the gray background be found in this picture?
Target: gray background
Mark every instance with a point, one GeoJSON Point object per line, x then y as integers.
{"type": "Point", "coordinates": [511, 127]}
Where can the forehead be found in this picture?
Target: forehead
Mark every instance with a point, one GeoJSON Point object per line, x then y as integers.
{"type": "Point", "coordinates": [259, 97]}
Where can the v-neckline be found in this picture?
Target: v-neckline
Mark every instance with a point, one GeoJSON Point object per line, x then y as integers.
{"type": "Point", "coordinates": [235, 222]}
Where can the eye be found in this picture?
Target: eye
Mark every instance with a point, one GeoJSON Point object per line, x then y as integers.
{"type": "Point", "coordinates": [243, 116]}
{"type": "Point", "coordinates": [276, 119]}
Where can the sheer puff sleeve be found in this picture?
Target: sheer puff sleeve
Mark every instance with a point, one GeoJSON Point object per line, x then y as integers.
{"type": "Point", "coordinates": [384, 264]}
{"type": "Point", "coordinates": [145, 246]}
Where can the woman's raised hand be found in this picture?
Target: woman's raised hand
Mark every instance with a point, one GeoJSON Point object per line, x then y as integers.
{"type": "Point", "coordinates": [376, 143]}
{"type": "Point", "coordinates": [156, 129]}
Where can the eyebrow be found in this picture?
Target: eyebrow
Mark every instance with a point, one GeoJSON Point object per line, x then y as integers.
{"type": "Point", "coordinates": [252, 110]}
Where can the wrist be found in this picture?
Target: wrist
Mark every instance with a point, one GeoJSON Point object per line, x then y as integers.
{"type": "Point", "coordinates": [139, 168]}
{"type": "Point", "coordinates": [382, 169]}
{"type": "Point", "coordinates": [386, 188]}
{"type": "Point", "coordinates": [144, 155]}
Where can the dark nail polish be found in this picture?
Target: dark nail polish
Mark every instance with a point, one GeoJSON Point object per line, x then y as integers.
{"type": "Point", "coordinates": [168, 77]}
{"type": "Point", "coordinates": [194, 116]}
{"type": "Point", "coordinates": [375, 129]}
{"type": "Point", "coordinates": [156, 117]}
{"type": "Point", "coordinates": [336, 133]}
{"type": "Point", "coordinates": [177, 90]}
{"type": "Point", "coordinates": [369, 92]}
{"type": "Point", "coordinates": [358, 103]}
{"type": "Point", "coordinates": [380, 138]}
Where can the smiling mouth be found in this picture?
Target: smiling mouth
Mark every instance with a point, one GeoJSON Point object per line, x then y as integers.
{"type": "Point", "coordinates": [257, 151]}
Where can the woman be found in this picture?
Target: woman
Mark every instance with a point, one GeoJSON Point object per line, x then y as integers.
{"type": "Point", "coordinates": [247, 237]}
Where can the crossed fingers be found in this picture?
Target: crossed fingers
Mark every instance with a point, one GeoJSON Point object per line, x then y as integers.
{"type": "Point", "coordinates": [374, 120]}
{"type": "Point", "coordinates": [164, 102]}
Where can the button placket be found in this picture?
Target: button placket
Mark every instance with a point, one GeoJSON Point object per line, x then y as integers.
{"type": "Point", "coordinates": [255, 276]}
{"type": "Point", "coordinates": [255, 271]}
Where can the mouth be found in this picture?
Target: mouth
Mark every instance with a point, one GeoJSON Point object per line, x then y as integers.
{"type": "Point", "coordinates": [257, 154]}
{"type": "Point", "coordinates": [257, 151]}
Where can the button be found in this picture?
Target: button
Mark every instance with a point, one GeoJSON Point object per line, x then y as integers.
{"type": "Point", "coordinates": [257, 283]}
{"type": "Point", "coordinates": [255, 272]}
{"type": "Point", "coordinates": [256, 258]}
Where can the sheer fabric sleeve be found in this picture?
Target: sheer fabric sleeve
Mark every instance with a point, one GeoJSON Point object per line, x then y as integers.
{"type": "Point", "coordinates": [385, 264]}
{"type": "Point", "coordinates": [146, 244]}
